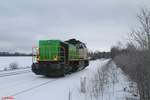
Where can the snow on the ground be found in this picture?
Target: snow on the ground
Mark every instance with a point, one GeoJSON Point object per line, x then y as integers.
{"type": "Point", "coordinates": [21, 61]}
{"type": "Point", "coordinates": [122, 89]}
{"type": "Point", "coordinates": [29, 86]}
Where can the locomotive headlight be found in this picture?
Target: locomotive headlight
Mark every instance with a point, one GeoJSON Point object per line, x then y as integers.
{"type": "Point", "coordinates": [38, 58]}
{"type": "Point", "coordinates": [56, 57]}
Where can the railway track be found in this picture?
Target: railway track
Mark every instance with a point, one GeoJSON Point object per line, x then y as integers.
{"type": "Point", "coordinates": [33, 87]}
{"type": "Point", "coordinates": [24, 85]}
{"type": "Point", "coordinates": [15, 72]}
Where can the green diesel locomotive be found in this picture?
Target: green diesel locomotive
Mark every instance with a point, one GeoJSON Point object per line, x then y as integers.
{"type": "Point", "coordinates": [57, 58]}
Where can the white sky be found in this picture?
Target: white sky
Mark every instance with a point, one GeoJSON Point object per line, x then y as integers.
{"type": "Point", "coordinates": [98, 23]}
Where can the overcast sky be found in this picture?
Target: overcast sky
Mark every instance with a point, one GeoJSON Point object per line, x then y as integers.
{"type": "Point", "coordinates": [98, 23]}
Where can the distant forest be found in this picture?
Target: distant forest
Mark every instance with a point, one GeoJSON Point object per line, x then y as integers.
{"type": "Point", "coordinates": [14, 54]}
{"type": "Point", "coordinates": [99, 55]}
{"type": "Point", "coordinates": [92, 55]}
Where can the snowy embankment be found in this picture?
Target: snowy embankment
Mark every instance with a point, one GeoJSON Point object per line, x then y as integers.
{"type": "Point", "coordinates": [108, 82]}
{"type": "Point", "coordinates": [29, 86]}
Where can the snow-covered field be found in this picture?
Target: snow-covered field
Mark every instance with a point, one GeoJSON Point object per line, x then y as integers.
{"type": "Point", "coordinates": [29, 86]}
{"type": "Point", "coordinates": [21, 61]}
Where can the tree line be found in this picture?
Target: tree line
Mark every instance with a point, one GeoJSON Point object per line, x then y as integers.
{"type": "Point", "coordinates": [134, 58]}
{"type": "Point", "coordinates": [98, 55]}
{"type": "Point", "coordinates": [14, 54]}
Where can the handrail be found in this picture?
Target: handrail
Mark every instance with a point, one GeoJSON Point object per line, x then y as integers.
{"type": "Point", "coordinates": [64, 54]}
{"type": "Point", "coordinates": [35, 55]}
{"type": "Point", "coordinates": [37, 51]}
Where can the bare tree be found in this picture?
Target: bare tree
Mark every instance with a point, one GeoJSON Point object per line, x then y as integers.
{"type": "Point", "coordinates": [98, 83]}
{"type": "Point", "coordinates": [114, 77]}
{"type": "Point", "coordinates": [141, 34]}
{"type": "Point", "coordinates": [134, 61]}
{"type": "Point", "coordinates": [13, 65]}
{"type": "Point", "coordinates": [83, 84]}
{"type": "Point", "coordinates": [70, 95]}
